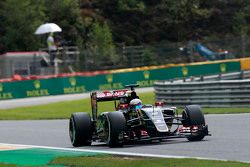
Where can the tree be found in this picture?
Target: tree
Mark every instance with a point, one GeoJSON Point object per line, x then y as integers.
{"type": "Point", "coordinates": [19, 20]}
{"type": "Point", "coordinates": [101, 45]}
{"type": "Point", "coordinates": [168, 20]}
{"type": "Point", "coordinates": [133, 22]}
{"type": "Point", "coordinates": [130, 5]}
{"type": "Point", "coordinates": [145, 21]}
{"type": "Point", "coordinates": [66, 13]}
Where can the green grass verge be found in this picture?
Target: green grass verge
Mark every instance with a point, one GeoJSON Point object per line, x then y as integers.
{"type": "Point", "coordinates": [118, 161]}
{"type": "Point", "coordinates": [60, 110]}
{"type": "Point", "coordinates": [63, 110]}
{"type": "Point", "coordinates": [225, 110]}
{"type": "Point", "coordinates": [7, 165]}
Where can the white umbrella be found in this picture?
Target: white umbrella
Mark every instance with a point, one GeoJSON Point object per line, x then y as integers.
{"type": "Point", "coordinates": [47, 28]}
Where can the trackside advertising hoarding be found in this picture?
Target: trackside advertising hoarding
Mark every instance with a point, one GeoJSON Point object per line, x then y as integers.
{"type": "Point", "coordinates": [145, 77]}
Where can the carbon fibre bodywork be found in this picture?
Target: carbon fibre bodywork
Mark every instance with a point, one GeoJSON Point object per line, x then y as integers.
{"type": "Point", "coordinates": [148, 122]}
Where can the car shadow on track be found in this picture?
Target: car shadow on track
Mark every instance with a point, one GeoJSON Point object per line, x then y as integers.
{"type": "Point", "coordinates": [97, 145]}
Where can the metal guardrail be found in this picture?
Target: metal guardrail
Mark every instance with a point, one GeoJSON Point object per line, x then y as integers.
{"type": "Point", "coordinates": [226, 76]}
{"type": "Point", "coordinates": [207, 93]}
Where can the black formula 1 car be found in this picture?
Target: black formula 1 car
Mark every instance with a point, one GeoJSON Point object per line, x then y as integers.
{"type": "Point", "coordinates": [131, 121]}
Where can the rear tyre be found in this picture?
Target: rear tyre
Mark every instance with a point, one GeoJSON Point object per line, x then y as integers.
{"type": "Point", "coordinates": [115, 128]}
{"type": "Point", "coordinates": [80, 129]}
{"type": "Point", "coordinates": [193, 116]}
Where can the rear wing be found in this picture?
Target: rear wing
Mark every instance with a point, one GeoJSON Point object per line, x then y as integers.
{"type": "Point", "coordinates": [110, 95]}
{"type": "Point", "coordinates": [104, 96]}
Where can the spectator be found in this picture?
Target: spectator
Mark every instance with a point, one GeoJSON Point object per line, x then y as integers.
{"type": "Point", "coordinates": [52, 48]}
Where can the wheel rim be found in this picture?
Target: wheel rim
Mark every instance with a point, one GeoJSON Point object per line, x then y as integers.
{"type": "Point", "coordinates": [72, 130]}
{"type": "Point", "coordinates": [107, 130]}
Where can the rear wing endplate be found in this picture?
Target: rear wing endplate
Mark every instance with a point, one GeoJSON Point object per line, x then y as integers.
{"type": "Point", "coordinates": [104, 96]}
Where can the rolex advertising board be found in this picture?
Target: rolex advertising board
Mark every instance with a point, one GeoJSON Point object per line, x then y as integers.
{"type": "Point", "coordinates": [112, 80]}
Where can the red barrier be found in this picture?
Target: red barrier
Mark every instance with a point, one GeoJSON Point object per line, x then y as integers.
{"type": "Point", "coordinates": [17, 77]}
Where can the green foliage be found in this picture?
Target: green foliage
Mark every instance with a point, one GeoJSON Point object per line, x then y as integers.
{"type": "Point", "coordinates": [133, 22]}
{"type": "Point", "coordinates": [101, 44]}
{"type": "Point", "coordinates": [241, 24]}
{"type": "Point", "coordinates": [130, 5]}
{"type": "Point", "coordinates": [179, 20]}
{"type": "Point", "coordinates": [19, 20]}
{"type": "Point", "coordinates": [149, 57]}
{"type": "Point", "coordinates": [66, 13]}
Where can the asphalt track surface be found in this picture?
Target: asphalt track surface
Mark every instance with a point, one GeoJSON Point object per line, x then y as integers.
{"type": "Point", "coordinates": [229, 140]}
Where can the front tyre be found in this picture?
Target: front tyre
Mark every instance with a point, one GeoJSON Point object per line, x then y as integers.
{"type": "Point", "coordinates": [80, 129]}
{"type": "Point", "coordinates": [115, 128]}
{"type": "Point", "coordinates": [193, 117]}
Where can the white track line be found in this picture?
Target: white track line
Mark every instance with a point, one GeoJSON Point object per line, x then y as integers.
{"type": "Point", "coordinates": [114, 152]}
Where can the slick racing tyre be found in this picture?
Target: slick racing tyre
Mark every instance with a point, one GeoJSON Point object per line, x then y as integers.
{"type": "Point", "coordinates": [80, 129]}
{"type": "Point", "coordinates": [192, 116]}
{"type": "Point", "coordinates": [114, 128]}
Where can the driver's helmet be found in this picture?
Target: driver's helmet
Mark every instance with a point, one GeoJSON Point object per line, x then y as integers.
{"type": "Point", "coordinates": [135, 104]}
